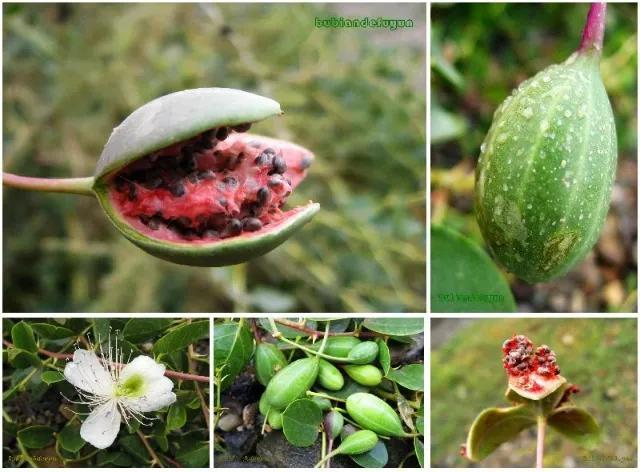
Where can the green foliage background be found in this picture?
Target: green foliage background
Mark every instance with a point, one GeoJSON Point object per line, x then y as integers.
{"type": "Point", "coordinates": [40, 428]}
{"type": "Point", "coordinates": [479, 54]}
{"type": "Point", "coordinates": [355, 97]}
{"type": "Point", "coordinates": [599, 355]}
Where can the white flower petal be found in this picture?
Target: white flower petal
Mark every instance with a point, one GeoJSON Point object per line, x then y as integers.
{"type": "Point", "coordinates": [87, 373]}
{"type": "Point", "coordinates": [144, 366]}
{"type": "Point", "coordinates": [102, 425]}
{"type": "Point", "coordinates": [158, 394]}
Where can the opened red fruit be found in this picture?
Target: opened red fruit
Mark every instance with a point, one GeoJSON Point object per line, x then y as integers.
{"type": "Point", "coordinates": [533, 372]}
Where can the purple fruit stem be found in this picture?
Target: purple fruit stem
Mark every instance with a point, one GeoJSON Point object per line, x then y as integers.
{"type": "Point", "coordinates": [593, 32]}
{"type": "Point", "coordinates": [79, 186]}
{"type": "Point", "coordinates": [540, 446]}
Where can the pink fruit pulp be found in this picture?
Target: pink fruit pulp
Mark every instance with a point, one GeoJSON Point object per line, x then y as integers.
{"type": "Point", "coordinates": [210, 203]}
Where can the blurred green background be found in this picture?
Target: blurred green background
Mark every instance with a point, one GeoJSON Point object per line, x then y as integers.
{"type": "Point", "coordinates": [479, 54]}
{"type": "Point", "coordinates": [356, 97]}
{"type": "Point", "coordinates": [599, 355]}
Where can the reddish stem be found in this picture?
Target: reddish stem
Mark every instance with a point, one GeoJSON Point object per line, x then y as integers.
{"type": "Point", "coordinates": [63, 356]}
{"type": "Point", "coordinates": [312, 332]}
{"type": "Point", "coordinates": [79, 186]}
{"type": "Point", "coordinates": [593, 32]}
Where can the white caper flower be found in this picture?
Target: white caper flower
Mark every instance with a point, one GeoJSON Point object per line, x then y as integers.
{"type": "Point", "coordinates": [115, 391]}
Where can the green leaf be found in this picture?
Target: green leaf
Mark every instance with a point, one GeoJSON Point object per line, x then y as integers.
{"type": "Point", "coordinates": [576, 424]}
{"type": "Point", "coordinates": [232, 349]}
{"type": "Point", "coordinates": [376, 458]}
{"type": "Point", "coordinates": [410, 376]}
{"type": "Point", "coordinates": [176, 417]}
{"type": "Point", "coordinates": [52, 376]}
{"type": "Point", "coordinates": [395, 326]}
{"type": "Point", "coordinates": [22, 359]}
{"type": "Point", "coordinates": [384, 357]}
{"type": "Point", "coordinates": [182, 336]}
{"type": "Point", "coordinates": [119, 459]}
{"type": "Point", "coordinates": [495, 426]}
{"type": "Point", "coordinates": [464, 278]}
{"type": "Point", "coordinates": [162, 441]}
{"type": "Point", "coordinates": [142, 329]}
{"type": "Point", "coordinates": [69, 438]}
{"type": "Point", "coordinates": [101, 330]}
{"type": "Point", "coordinates": [36, 437]}
{"type": "Point", "coordinates": [420, 419]}
{"type": "Point", "coordinates": [445, 125]}
{"type": "Point", "coordinates": [196, 456]}
{"type": "Point", "coordinates": [134, 446]}
{"type": "Point", "coordinates": [418, 447]}
{"type": "Point", "coordinates": [22, 337]}
{"type": "Point", "coordinates": [300, 422]}
{"type": "Point", "coordinates": [49, 331]}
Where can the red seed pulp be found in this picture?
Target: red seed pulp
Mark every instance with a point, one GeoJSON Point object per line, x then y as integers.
{"type": "Point", "coordinates": [216, 185]}
{"type": "Point", "coordinates": [529, 369]}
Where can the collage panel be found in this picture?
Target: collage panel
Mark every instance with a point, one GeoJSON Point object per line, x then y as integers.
{"type": "Point", "coordinates": [534, 392]}
{"type": "Point", "coordinates": [533, 157]}
{"type": "Point", "coordinates": [323, 392]}
{"type": "Point", "coordinates": [272, 156]}
{"type": "Point", "coordinates": [106, 392]}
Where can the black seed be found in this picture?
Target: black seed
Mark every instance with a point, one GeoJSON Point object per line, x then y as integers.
{"type": "Point", "coordinates": [144, 219]}
{"type": "Point", "coordinates": [242, 128]}
{"type": "Point", "coordinates": [279, 166]}
{"type": "Point", "coordinates": [154, 222]}
{"type": "Point", "coordinates": [251, 224]}
{"type": "Point", "coordinates": [189, 163]}
{"type": "Point", "coordinates": [121, 183]}
{"type": "Point", "coordinates": [193, 178]}
{"type": "Point", "coordinates": [209, 135]}
{"type": "Point", "coordinates": [306, 161]}
{"type": "Point", "coordinates": [275, 181]}
{"type": "Point", "coordinates": [132, 192]}
{"type": "Point", "coordinates": [222, 133]}
{"type": "Point", "coordinates": [255, 144]}
{"type": "Point", "coordinates": [234, 226]}
{"type": "Point", "coordinates": [153, 183]}
{"type": "Point", "coordinates": [263, 195]}
{"type": "Point", "coordinates": [232, 162]}
{"type": "Point", "coordinates": [206, 174]}
{"type": "Point", "coordinates": [167, 162]}
{"type": "Point", "coordinates": [230, 180]}
{"type": "Point", "coordinates": [183, 221]}
{"type": "Point", "coordinates": [177, 188]}
{"type": "Point", "coordinates": [205, 144]}
{"type": "Point", "coordinates": [222, 201]}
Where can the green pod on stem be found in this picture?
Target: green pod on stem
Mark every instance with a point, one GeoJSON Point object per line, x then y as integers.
{"type": "Point", "coordinates": [329, 376]}
{"type": "Point", "coordinates": [292, 382]}
{"type": "Point", "coordinates": [363, 353]}
{"type": "Point", "coordinates": [268, 360]}
{"type": "Point", "coordinates": [338, 346]}
{"type": "Point", "coordinates": [547, 165]}
{"type": "Point", "coordinates": [368, 375]}
{"type": "Point", "coordinates": [373, 413]}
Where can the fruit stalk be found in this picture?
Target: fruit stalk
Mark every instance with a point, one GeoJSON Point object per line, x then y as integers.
{"type": "Point", "coordinates": [540, 445]}
{"type": "Point", "coordinates": [593, 32]}
{"type": "Point", "coordinates": [78, 186]}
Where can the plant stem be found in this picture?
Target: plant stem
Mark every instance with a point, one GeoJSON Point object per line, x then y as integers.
{"type": "Point", "coordinates": [279, 336]}
{"type": "Point", "coordinates": [314, 332]}
{"type": "Point", "coordinates": [593, 32]}
{"type": "Point", "coordinates": [203, 403]}
{"type": "Point", "coordinates": [152, 453]}
{"type": "Point", "coordinates": [323, 395]}
{"type": "Point", "coordinates": [540, 446]}
{"type": "Point", "coordinates": [169, 373]}
{"type": "Point", "coordinates": [79, 186]}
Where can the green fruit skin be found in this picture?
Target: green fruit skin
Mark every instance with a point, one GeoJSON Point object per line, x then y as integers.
{"type": "Point", "coordinates": [358, 443]}
{"type": "Point", "coordinates": [338, 346]}
{"type": "Point", "coordinates": [322, 403]}
{"type": "Point", "coordinates": [367, 375]}
{"type": "Point", "coordinates": [292, 382]}
{"type": "Point", "coordinates": [373, 413]}
{"type": "Point", "coordinates": [546, 170]}
{"type": "Point", "coordinates": [364, 353]}
{"type": "Point", "coordinates": [333, 423]}
{"type": "Point", "coordinates": [275, 419]}
{"type": "Point", "coordinates": [329, 376]}
{"type": "Point", "coordinates": [263, 405]}
{"type": "Point", "coordinates": [268, 360]}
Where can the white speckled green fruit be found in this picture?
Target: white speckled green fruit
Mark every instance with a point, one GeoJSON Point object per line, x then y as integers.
{"type": "Point", "coordinates": [546, 170]}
